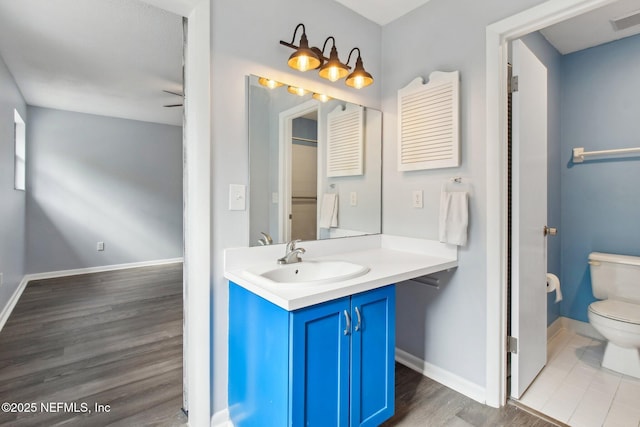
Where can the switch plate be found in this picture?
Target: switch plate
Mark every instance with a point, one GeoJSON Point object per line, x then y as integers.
{"type": "Point", "coordinates": [417, 199]}
{"type": "Point", "coordinates": [274, 198]}
{"type": "Point", "coordinates": [237, 197]}
{"type": "Point", "coordinates": [354, 198]}
{"type": "Point", "coordinates": [100, 246]}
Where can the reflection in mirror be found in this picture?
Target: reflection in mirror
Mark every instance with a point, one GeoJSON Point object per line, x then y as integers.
{"type": "Point", "coordinates": [315, 168]}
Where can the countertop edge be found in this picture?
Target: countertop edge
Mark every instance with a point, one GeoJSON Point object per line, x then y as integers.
{"type": "Point", "coordinates": [352, 286]}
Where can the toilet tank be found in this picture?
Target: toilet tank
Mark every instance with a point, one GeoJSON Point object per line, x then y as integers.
{"type": "Point", "coordinates": [615, 275]}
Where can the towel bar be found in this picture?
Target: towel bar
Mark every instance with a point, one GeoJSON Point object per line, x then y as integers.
{"type": "Point", "coordinates": [579, 153]}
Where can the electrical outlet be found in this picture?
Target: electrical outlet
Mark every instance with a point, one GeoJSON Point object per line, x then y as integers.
{"type": "Point", "coordinates": [354, 198]}
{"type": "Point", "coordinates": [100, 246]}
{"type": "Point", "coordinates": [417, 199]}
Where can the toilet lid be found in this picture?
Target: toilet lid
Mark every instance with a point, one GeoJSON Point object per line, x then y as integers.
{"type": "Point", "coordinates": [617, 310]}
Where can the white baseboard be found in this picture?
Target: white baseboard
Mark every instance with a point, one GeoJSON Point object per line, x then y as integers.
{"type": "Point", "coordinates": [221, 419]}
{"type": "Point", "coordinates": [102, 268]}
{"type": "Point", "coordinates": [580, 328]}
{"type": "Point", "coordinates": [442, 376]}
{"type": "Point", "coordinates": [8, 308]}
{"type": "Point", "coordinates": [554, 328]}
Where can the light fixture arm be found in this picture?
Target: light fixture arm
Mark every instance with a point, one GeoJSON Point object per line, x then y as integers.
{"type": "Point", "coordinates": [349, 57]}
{"type": "Point", "coordinates": [291, 45]}
{"type": "Point", "coordinates": [324, 46]}
{"type": "Point", "coordinates": [315, 49]}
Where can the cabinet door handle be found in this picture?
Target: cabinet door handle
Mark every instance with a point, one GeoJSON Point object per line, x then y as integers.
{"type": "Point", "coordinates": [359, 320]}
{"type": "Point", "coordinates": [347, 319]}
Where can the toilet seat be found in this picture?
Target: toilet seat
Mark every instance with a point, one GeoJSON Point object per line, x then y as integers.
{"type": "Point", "coordinates": [621, 311]}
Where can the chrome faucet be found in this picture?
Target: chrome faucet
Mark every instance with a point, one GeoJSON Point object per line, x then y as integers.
{"type": "Point", "coordinates": [265, 240]}
{"type": "Point", "coordinates": [292, 254]}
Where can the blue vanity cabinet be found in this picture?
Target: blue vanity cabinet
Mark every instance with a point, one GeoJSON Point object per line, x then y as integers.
{"type": "Point", "coordinates": [320, 364]}
{"type": "Point", "coordinates": [330, 364]}
{"type": "Point", "coordinates": [373, 356]}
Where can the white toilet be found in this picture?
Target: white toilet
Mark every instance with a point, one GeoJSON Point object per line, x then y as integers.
{"type": "Point", "coordinates": [615, 280]}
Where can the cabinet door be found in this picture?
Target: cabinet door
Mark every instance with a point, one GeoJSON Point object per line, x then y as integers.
{"type": "Point", "coordinates": [372, 356]}
{"type": "Point", "coordinates": [320, 365]}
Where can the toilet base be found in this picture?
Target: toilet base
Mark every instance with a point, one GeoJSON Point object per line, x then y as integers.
{"type": "Point", "coordinates": [623, 360]}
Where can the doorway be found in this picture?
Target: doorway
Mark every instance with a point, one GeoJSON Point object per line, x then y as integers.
{"type": "Point", "coordinates": [297, 183]}
{"type": "Point", "coordinates": [197, 201]}
{"type": "Point", "coordinates": [304, 177]}
{"type": "Point", "coordinates": [498, 35]}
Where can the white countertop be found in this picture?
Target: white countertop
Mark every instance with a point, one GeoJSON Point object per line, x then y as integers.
{"type": "Point", "coordinates": [391, 259]}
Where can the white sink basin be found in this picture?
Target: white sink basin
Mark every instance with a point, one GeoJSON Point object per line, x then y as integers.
{"type": "Point", "coordinates": [310, 272]}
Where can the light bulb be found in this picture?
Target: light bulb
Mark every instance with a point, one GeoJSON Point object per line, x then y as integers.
{"type": "Point", "coordinates": [321, 97]}
{"type": "Point", "coordinates": [269, 83]}
{"type": "Point", "coordinates": [334, 74]}
{"type": "Point", "coordinates": [303, 63]}
{"type": "Point", "coordinates": [358, 82]}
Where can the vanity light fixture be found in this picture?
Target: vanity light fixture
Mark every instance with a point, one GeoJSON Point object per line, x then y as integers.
{"type": "Point", "coordinates": [304, 58]}
{"type": "Point", "coordinates": [297, 90]}
{"type": "Point", "coordinates": [271, 84]}
{"type": "Point", "coordinates": [359, 78]}
{"type": "Point", "coordinates": [333, 69]}
{"type": "Point", "coordinates": [321, 97]}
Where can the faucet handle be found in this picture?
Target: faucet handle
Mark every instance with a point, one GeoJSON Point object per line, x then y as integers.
{"type": "Point", "coordinates": [291, 245]}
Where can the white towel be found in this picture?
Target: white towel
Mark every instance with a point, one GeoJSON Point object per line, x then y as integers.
{"type": "Point", "coordinates": [454, 217]}
{"type": "Point", "coordinates": [329, 211]}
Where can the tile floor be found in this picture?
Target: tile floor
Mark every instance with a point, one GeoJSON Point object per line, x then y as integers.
{"type": "Point", "coordinates": [574, 389]}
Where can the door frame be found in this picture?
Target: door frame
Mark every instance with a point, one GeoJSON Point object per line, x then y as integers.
{"type": "Point", "coordinates": [285, 133]}
{"type": "Point", "coordinates": [498, 35]}
{"type": "Point", "coordinates": [197, 198]}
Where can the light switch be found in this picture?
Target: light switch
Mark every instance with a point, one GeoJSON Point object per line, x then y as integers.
{"type": "Point", "coordinates": [237, 197]}
{"type": "Point", "coordinates": [354, 198]}
{"type": "Point", "coordinates": [417, 199]}
{"type": "Point", "coordinates": [100, 246]}
{"type": "Point", "coordinates": [274, 198]}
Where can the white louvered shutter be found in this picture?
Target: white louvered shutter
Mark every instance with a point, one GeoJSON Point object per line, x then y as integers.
{"type": "Point", "coordinates": [345, 135]}
{"type": "Point", "coordinates": [428, 123]}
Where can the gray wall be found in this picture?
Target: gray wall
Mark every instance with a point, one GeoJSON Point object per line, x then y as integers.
{"type": "Point", "coordinates": [260, 154]}
{"type": "Point", "coordinates": [12, 202]}
{"type": "Point", "coordinates": [445, 327]}
{"type": "Point", "coordinates": [92, 178]}
{"type": "Point", "coordinates": [255, 50]}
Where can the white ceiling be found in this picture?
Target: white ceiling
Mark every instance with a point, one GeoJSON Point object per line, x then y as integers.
{"type": "Point", "coordinates": [114, 57]}
{"type": "Point", "coordinates": [105, 57]}
{"type": "Point", "coordinates": [592, 28]}
{"type": "Point", "coordinates": [382, 11]}
{"type": "Point", "coordinates": [588, 30]}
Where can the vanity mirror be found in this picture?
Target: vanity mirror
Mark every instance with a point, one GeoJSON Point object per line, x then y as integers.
{"type": "Point", "coordinates": [315, 168]}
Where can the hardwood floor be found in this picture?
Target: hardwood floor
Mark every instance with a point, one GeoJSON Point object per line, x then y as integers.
{"type": "Point", "coordinates": [423, 402]}
{"type": "Point", "coordinates": [112, 338]}
{"type": "Point", "coordinates": [115, 338]}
